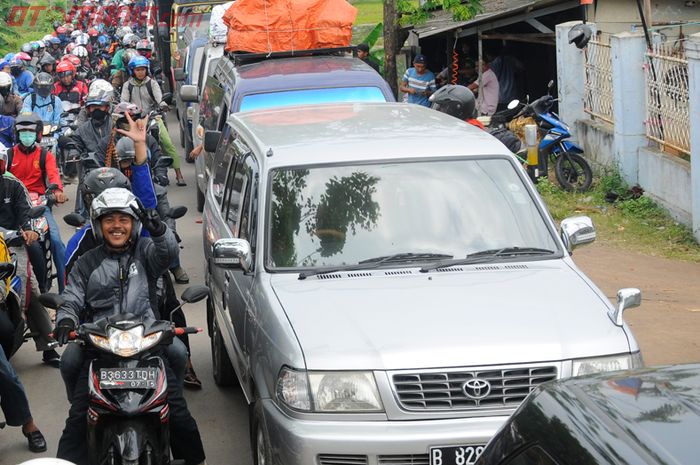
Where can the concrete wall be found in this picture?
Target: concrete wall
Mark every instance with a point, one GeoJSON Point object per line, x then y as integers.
{"type": "Point", "coordinates": [613, 16]}
{"type": "Point", "coordinates": [666, 179]}
{"type": "Point", "coordinates": [671, 181]}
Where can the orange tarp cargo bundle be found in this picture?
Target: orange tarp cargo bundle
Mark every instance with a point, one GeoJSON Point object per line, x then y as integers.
{"type": "Point", "coordinates": [265, 26]}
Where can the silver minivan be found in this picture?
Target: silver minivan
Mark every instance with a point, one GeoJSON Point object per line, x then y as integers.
{"type": "Point", "coordinates": [387, 285]}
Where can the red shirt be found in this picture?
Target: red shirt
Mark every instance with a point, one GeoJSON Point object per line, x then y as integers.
{"type": "Point", "coordinates": [27, 169]}
{"type": "Point", "coordinates": [76, 94]}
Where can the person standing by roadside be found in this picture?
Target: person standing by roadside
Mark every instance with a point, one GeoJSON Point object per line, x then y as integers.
{"type": "Point", "coordinates": [487, 100]}
{"type": "Point", "coordinates": [363, 54]}
{"type": "Point", "coordinates": [418, 82]}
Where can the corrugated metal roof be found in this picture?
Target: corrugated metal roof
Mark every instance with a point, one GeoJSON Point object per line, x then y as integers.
{"type": "Point", "coordinates": [492, 9]}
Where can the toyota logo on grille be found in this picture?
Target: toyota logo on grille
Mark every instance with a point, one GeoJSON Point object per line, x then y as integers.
{"type": "Point", "coordinates": [476, 388]}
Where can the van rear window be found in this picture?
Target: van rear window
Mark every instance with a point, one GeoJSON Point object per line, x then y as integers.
{"type": "Point", "coordinates": [311, 96]}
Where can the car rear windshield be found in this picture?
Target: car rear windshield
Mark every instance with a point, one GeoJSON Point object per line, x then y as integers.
{"type": "Point", "coordinates": [341, 215]}
{"type": "Point", "coordinates": [311, 96]}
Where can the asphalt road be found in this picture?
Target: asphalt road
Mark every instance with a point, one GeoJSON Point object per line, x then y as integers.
{"type": "Point", "coordinates": [222, 414]}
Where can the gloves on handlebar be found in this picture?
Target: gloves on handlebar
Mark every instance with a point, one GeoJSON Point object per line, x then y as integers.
{"type": "Point", "coordinates": [150, 220]}
{"type": "Point", "coordinates": [63, 330]}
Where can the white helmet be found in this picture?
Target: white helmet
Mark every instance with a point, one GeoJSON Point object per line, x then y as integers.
{"type": "Point", "coordinates": [5, 79]}
{"type": "Point", "coordinates": [100, 92]}
{"type": "Point", "coordinates": [114, 199]}
{"type": "Point", "coordinates": [46, 461]}
{"type": "Point", "coordinates": [80, 51]}
{"type": "Point", "coordinates": [75, 33]}
{"type": "Point", "coordinates": [82, 39]}
{"type": "Point", "coordinates": [47, 38]}
{"type": "Point", "coordinates": [3, 158]}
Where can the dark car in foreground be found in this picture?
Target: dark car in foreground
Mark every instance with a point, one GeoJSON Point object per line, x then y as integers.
{"type": "Point", "coordinates": [645, 416]}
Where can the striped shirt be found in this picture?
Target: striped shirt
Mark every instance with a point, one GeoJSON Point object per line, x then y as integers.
{"type": "Point", "coordinates": [421, 83]}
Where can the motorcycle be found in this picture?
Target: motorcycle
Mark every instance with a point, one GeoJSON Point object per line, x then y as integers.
{"type": "Point", "coordinates": [572, 171]}
{"type": "Point", "coordinates": [128, 411]}
{"type": "Point", "coordinates": [41, 225]}
{"type": "Point", "coordinates": [11, 303]}
{"type": "Point", "coordinates": [48, 138]}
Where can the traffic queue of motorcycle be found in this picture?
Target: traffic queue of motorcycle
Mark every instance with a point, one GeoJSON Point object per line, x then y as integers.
{"type": "Point", "coordinates": [84, 106]}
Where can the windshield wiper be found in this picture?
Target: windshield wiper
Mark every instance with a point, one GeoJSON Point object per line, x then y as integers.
{"type": "Point", "coordinates": [375, 262]}
{"type": "Point", "coordinates": [487, 256]}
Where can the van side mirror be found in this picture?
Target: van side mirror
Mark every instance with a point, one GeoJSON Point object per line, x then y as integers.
{"type": "Point", "coordinates": [626, 298]}
{"type": "Point", "coordinates": [189, 93]}
{"type": "Point", "coordinates": [211, 140]}
{"type": "Point", "coordinates": [232, 253]}
{"type": "Point", "coordinates": [179, 74]}
{"type": "Point", "coordinates": [577, 231]}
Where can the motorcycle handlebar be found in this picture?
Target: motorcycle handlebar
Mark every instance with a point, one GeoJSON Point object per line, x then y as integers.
{"type": "Point", "coordinates": [187, 330]}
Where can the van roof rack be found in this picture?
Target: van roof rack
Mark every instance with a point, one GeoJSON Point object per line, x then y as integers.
{"type": "Point", "coordinates": [240, 58]}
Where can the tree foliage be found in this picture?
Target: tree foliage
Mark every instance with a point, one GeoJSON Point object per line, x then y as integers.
{"type": "Point", "coordinates": [410, 13]}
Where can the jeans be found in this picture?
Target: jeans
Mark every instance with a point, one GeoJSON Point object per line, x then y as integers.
{"type": "Point", "coordinates": [13, 399]}
{"type": "Point", "coordinates": [58, 250]}
{"type": "Point", "coordinates": [185, 441]}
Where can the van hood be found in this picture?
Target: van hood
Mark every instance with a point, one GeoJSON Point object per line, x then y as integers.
{"type": "Point", "coordinates": [481, 315]}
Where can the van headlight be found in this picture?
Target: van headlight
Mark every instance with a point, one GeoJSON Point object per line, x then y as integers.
{"type": "Point", "coordinates": [589, 366]}
{"type": "Point", "coordinates": [329, 391]}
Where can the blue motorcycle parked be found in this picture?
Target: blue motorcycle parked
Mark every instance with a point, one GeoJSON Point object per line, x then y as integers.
{"type": "Point", "coordinates": [570, 168]}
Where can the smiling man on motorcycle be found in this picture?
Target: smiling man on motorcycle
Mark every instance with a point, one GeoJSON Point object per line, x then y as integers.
{"type": "Point", "coordinates": [131, 265]}
{"type": "Point", "coordinates": [36, 168]}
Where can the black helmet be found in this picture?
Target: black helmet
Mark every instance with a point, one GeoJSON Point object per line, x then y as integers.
{"type": "Point", "coordinates": [43, 83]}
{"type": "Point", "coordinates": [31, 122]}
{"type": "Point", "coordinates": [47, 59]}
{"type": "Point", "coordinates": [457, 101]}
{"type": "Point", "coordinates": [579, 35]}
{"type": "Point", "coordinates": [97, 180]}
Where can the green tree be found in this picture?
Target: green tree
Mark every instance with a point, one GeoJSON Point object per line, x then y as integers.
{"type": "Point", "coordinates": [401, 12]}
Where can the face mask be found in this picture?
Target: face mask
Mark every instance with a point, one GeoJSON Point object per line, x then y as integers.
{"type": "Point", "coordinates": [27, 138]}
{"type": "Point", "coordinates": [16, 71]}
{"type": "Point", "coordinates": [99, 115]}
{"type": "Point", "coordinates": [43, 91]}
{"type": "Point", "coordinates": [5, 91]}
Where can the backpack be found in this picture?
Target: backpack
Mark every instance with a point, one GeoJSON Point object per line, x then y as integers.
{"type": "Point", "coordinates": [53, 101]}
{"type": "Point", "coordinates": [149, 88]}
{"type": "Point", "coordinates": [42, 163]}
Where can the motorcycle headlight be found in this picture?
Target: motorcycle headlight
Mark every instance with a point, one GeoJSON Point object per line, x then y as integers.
{"type": "Point", "coordinates": [329, 392]}
{"type": "Point", "coordinates": [588, 366]}
{"type": "Point", "coordinates": [126, 343]}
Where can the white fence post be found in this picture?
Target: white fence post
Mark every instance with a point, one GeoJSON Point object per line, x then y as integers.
{"type": "Point", "coordinates": [629, 107]}
{"type": "Point", "coordinates": [570, 76]}
{"type": "Point", "coordinates": [692, 51]}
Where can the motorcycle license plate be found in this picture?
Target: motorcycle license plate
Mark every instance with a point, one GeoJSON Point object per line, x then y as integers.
{"type": "Point", "coordinates": [128, 378]}
{"type": "Point", "coordinates": [455, 455]}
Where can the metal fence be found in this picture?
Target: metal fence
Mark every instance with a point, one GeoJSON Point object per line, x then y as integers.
{"type": "Point", "coordinates": [668, 120]}
{"type": "Point", "coordinates": [598, 100]}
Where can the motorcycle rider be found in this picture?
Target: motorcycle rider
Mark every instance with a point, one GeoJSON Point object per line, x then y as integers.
{"type": "Point", "coordinates": [47, 64]}
{"type": "Point", "coordinates": [26, 156]}
{"type": "Point", "coordinates": [41, 102]}
{"type": "Point", "coordinates": [120, 76]}
{"type": "Point", "coordinates": [23, 78]}
{"type": "Point", "coordinates": [70, 90]}
{"type": "Point", "coordinates": [117, 219]}
{"type": "Point", "coordinates": [145, 92]}
{"type": "Point", "coordinates": [14, 215]}
{"type": "Point", "coordinates": [84, 70]}
{"type": "Point", "coordinates": [12, 103]}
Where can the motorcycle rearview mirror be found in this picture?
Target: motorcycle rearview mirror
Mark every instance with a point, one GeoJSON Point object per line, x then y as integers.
{"type": "Point", "coordinates": [168, 98]}
{"type": "Point", "coordinates": [7, 269]}
{"type": "Point", "coordinates": [74, 219]}
{"type": "Point", "coordinates": [164, 162]}
{"type": "Point", "coordinates": [195, 293]}
{"type": "Point", "coordinates": [513, 104]}
{"type": "Point", "coordinates": [36, 212]}
{"type": "Point", "coordinates": [51, 300]}
{"type": "Point", "coordinates": [177, 212]}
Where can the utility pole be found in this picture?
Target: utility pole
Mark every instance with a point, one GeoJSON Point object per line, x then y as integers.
{"type": "Point", "coordinates": [390, 39]}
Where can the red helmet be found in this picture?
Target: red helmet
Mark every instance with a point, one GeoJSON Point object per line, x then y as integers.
{"type": "Point", "coordinates": [23, 56]}
{"type": "Point", "coordinates": [92, 32]}
{"type": "Point", "coordinates": [65, 66]}
{"type": "Point", "coordinates": [74, 60]}
{"type": "Point", "coordinates": [60, 30]}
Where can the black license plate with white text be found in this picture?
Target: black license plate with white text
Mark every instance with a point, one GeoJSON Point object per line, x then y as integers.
{"type": "Point", "coordinates": [455, 455]}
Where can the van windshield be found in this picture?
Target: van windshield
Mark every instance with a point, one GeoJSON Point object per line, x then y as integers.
{"type": "Point", "coordinates": [311, 96]}
{"type": "Point", "coordinates": [330, 216]}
